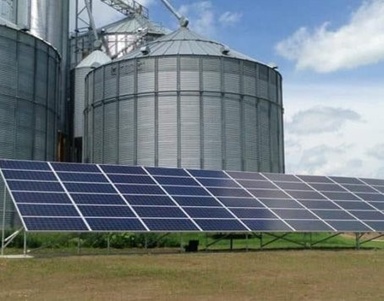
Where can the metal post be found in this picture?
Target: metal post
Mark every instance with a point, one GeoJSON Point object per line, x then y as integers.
{"type": "Point", "coordinates": [206, 242]}
{"type": "Point", "coordinates": [3, 226]}
{"type": "Point", "coordinates": [109, 243]}
{"type": "Point", "coordinates": [181, 242]}
{"type": "Point", "coordinates": [261, 240]}
{"type": "Point", "coordinates": [78, 244]}
{"type": "Point", "coordinates": [246, 242]}
{"type": "Point", "coordinates": [357, 241]}
{"type": "Point", "coordinates": [25, 243]}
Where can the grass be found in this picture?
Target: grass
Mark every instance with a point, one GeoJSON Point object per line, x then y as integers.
{"type": "Point", "coordinates": [277, 275]}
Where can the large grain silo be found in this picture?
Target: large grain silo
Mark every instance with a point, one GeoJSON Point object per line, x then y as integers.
{"type": "Point", "coordinates": [185, 101]}
{"type": "Point", "coordinates": [29, 85]}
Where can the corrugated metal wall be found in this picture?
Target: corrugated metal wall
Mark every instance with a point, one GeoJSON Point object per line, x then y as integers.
{"type": "Point", "coordinates": [29, 81]}
{"type": "Point", "coordinates": [186, 111]}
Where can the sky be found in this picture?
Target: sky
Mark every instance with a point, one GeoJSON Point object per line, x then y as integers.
{"type": "Point", "coordinates": [331, 56]}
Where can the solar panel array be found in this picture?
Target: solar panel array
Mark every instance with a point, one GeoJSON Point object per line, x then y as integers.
{"type": "Point", "coordinates": [73, 197]}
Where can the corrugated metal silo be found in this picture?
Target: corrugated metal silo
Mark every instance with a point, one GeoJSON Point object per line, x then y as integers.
{"type": "Point", "coordinates": [29, 81]}
{"type": "Point", "coordinates": [186, 101]}
{"type": "Point", "coordinates": [94, 60]}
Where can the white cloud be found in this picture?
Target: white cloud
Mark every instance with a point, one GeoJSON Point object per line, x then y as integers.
{"type": "Point", "coordinates": [320, 119]}
{"type": "Point", "coordinates": [349, 150]}
{"type": "Point", "coordinates": [230, 18]}
{"type": "Point", "coordinates": [377, 151]}
{"type": "Point", "coordinates": [358, 43]}
{"type": "Point", "coordinates": [201, 16]}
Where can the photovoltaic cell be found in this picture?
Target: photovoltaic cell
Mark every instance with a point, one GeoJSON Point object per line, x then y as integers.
{"type": "Point", "coordinates": [294, 214]}
{"type": "Point", "coordinates": [245, 175]}
{"type": "Point", "coordinates": [315, 179]}
{"type": "Point", "coordinates": [24, 165]}
{"type": "Point", "coordinates": [349, 226]}
{"type": "Point", "coordinates": [377, 225]}
{"type": "Point", "coordinates": [139, 189]}
{"type": "Point", "coordinates": [256, 184]}
{"type": "Point", "coordinates": [293, 186]}
{"type": "Point", "coordinates": [281, 203]}
{"type": "Point", "coordinates": [41, 197]}
{"type": "Point", "coordinates": [118, 169]}
{"type": "Point", "coordinates": [267, 193]}
{"type": "Point", "coordinates": [305, 195]}
{"type": "Point", "coordinates": [379, 188]}
{"type": "Point", "coordinates": [333, 214]}
{"type": "Point", "coordinates": [344, 180]}
{"type": "Point", "coordinates": [229, 192]}
{"type": "Point", "coordinates": [89, 187]}
{"type": "Point", "coordinates": [208, 174]}
{"type": "Point", "coordinates": [319, 204]}
{"type": "Point", "coordinates": [82, 177]}
{"type": "Point", "coordinates": [163, 212]}
{"type": "Point", "coordinates": [309, 225]}
{"type": "Point", "coordinates": [106, 211]}
{"type": "Point", "coordinates": [241, 202]}
{"type": "Point", "coordinates": [131, 179]}
{"type": "Point", "coordinates": [76, 167]}
{"type": "Point", "coordinates": [379, 182]}
{"type": "Point", "coordinates": [48, 210]}
{"type": "Point", "coordinates": [196, 212]}
{"type": "Point", "coordinates": [196, 201]}
{"type": "Point", "coordinates": [186, 190]}
{"type": "Point", "coordinates": [156, 171]}
{"type": "Point", "coordinates": [175, 224]}
{"type": "Point", "coordinates": [97, 199]}
{"type": "Point", "coordinates": [281, 177]}
{"type": "Point", "coordinates": [253, 213]}
{"type": "Point", "coordinates": [353, 205]}
{"type": "Point", "coordinates": [368, 215]}
{"type": "Point", "coordinates": [359, 188]}
{"type": "Point", "coordinates": [55, 224]}
{"type": "Point", "coordinates": [207, 182]}
{"type": "Point", "coordinates": [176, 181]}
{"type": "Point", "coordinates": [34, 186]}
{"type": "Point", "coordinates": [29, 175]}
{"type": "Point", "coordinates": [230, 225]}
{"type": "Point", "coordinates": [266, 225]}
{"type": "Point", "coordinates": [374, 197]}
{"type": "Point", "coordinates": [327, 187]}
{"type": "Point", "coordinates": [115, 224]}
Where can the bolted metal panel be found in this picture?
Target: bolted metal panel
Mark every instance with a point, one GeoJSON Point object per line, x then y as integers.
{"type": "Point", "coordinates": [98, 85]}
{"type": "Point", "coordinates": [145, 131]}
{"type": "Point", "coordinates": [265, 135]}
{"type": "Point", "coordinates": [249, 78]}
{"type": "Point", "coordinates": [167, 131]}
{"type": "Point", "coordinates": [190, 131]}
{"type": "Point", "coordinates": [211, 74]}
{"type": "Point", "coordinates": [213, 150]}
{"type": "Point", "coordinates": [233, 156]}
{"type": "Point", "coordinates": [8, 10]}
{"type": "Point", "coordinates": [232, 76]}
{"type": "Point", "coordinates": [110, 81]}
{"type": "Point", "coordinates": [126, 78]}
{"type": "Point", "coordinates": [167, 74]}
{"type": "Point", "coordinates": [127, 129]}
{"type": "Point", "coordinates": [251, 134]}
{"type": "Point", "coordinates": [97, 156]}
{"type": "Point", "coordinates": [79, 100]}
{"type": "Point", "coordinates": [110, 133]}
{"type": "Point", "coordinates": [274, 127]}
{"type": "Point", "coordinates": [146, 75]}
{"type": "Point", "coordinates": [189, 73]}
{"type": "Point", "coordinates": [263, 85]}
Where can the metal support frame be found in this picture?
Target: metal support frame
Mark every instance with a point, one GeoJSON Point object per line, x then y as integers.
{"type": "Point", "coordinates": [6, 241]}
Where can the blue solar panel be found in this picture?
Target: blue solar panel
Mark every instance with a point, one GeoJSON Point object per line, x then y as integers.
{"type": "Point", "coordinates": [76, 167]}
{"type": "Point", "coordinates": [267, 193]}
{"type": "Point", "coordinates": [89, 187]}
{"type": "Point", "coordinates": [186, 190]}
{"type": "Point", "coordinates": [29, 175]}
{"type": "Point", "coordinates": [118, 169]}
{"type": "Point", "coordinates": [131, 179]}
{"type": "Point", "coordinates": [106, 211]}
{"type": "Point", "coordinates": [41, 197]}
{"type": "Point", "coordinates": [115, 224]}
{"type": "Point", "coordinates": [55, 224]}
{"type": "Point", "coordinates": [315, 179]}
{"type": "Point", "coordinates": [230, 225]}
{"type": "Point", "coordinates": [368, 215]}
{"type": "Point", "coordinates": [256, 184]}
{"type": "Point", "coordinates": [169, 225]}
{"type": "Point", "coordinates": [139, 189]}
{"type": "Point", "coordinates": [253, 213]}
{"type": "Point", "coordinates": [266, 225]}
{"type": "Point", "coordinates": [97, 199]}
{"type": "Point", "coordinates": [320, 204]}
{"type": "Point", "coordinates": [305, 195]}
{"type": "Point", "coordinates": [157, 171]}
{"type": "Point", "coordinates": [207, 173]}
{"type": "Point", "coordinates": [374, 197]}
{"type": "Point", "coordinates": [241, 202]}
{"type": "Point", "coordinates": [327, 187]}
{"type": "Point", "coordinates": [333, 214]}
{"type": "Point", "coordinates": [34, 186]}
{"type": "Point", "coordinates": [39, 194]}
{"type": "Point", "coordinates": [218, 183]}
{"type": "Point", "coordinates": [349, 226]}
{"type": "Point", "coordinates": [309, 225]}
{"type": "Point", "coordinates": [196, 201]}
{"type": "Point", "coordinates": [176, 181]}
{"type": "Point", "coordinates": [149, 200]}
{"type": "Point", "coordinates": [82, 177]}
{"type": "Point", "coordinates": [24, 165]}
{"type": "Point", "coordinates": [163, 212]}
{"type": "Point", "coordinates": [294, 214]}
{"type": "Point", "coordinates": [230, 192]}
{"type": "Point", "coordinates": [281, 203]}
{"type": "Point", "coordinates": [48, 210]}
{"type": "Point", "coordinates": [196, 212]}
{"type": "Point", "coordinates": [245, 175]}
{"type": "Point", "coordinates": [281, 177]}
{"type": "Point", "coordinates": [376, 225]}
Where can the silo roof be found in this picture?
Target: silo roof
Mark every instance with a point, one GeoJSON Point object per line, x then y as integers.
{"type": "Point", "coordinates": [8, 23]}
{"type": "Point", "coordinates": [185, 42]}
{"type": "Point", "coordinates": [95, 59]}
{"type": "Point", "coordinates": [131, 24]}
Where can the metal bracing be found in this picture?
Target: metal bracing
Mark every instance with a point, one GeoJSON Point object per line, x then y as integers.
{"type": "Point", "coordinates": [128, 7]}
{"type": "Point", "coordinates": [6, 241]}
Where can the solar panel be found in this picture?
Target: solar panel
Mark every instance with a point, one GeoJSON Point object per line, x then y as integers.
{"type": "Point", "coordinates": [74, 197]}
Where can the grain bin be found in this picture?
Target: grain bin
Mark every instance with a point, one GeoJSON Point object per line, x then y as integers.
{"type": "Point", "coordinates": [185, 101]}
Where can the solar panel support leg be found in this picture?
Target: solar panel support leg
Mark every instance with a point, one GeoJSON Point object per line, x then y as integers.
{"type": "Point", "coordinates": [109, 243]}
{"type": "Point", "coordinates": [3, 222]}
{"type": "Point", "coordinates": [246, 242]}
{"type": "Point", "coordinates": [358, 237]}
{"type": "Point", "coordinates": [25, 243]}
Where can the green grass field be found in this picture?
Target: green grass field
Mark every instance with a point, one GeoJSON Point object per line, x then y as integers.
{"type": "Point", "coordinates": [267, 275]}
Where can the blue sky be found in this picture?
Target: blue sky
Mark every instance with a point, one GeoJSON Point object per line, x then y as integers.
{"type": "Point", "coordinates": [331, 56]}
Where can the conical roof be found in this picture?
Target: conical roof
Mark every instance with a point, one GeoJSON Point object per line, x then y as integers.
{"type": "Point", "coordinates": [8, 23]}
{"type": "Point", "coordinates": [132, 23]}
{"type": "Point", "coordinates": [95, 59]}
{"type": "Point", "coordinates": [185, 42]}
